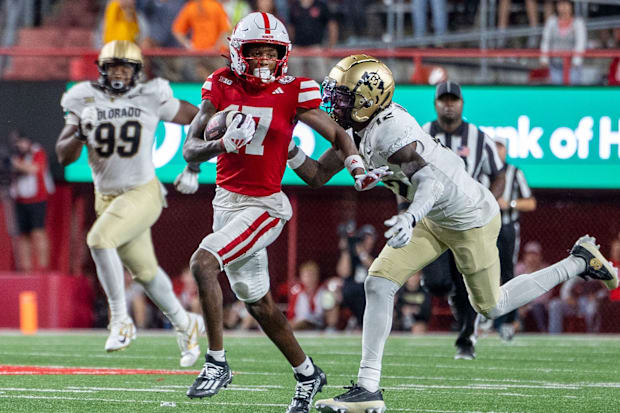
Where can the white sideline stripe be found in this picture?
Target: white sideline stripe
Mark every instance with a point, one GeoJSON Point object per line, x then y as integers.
{"type": "Point", "coordinates": [45, 390]}
{"type": "Point", "coordinates": [158, 402]}
{"type": "Point", "coordinates": [485, 381]}
{"type": "Point", "coordinates": [73, 355]}
{"type": "Point", "coordinates": [159, 389]}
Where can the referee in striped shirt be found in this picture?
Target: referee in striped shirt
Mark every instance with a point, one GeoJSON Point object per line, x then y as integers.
{"type": "Point", "coordinates": [479, 153]}
{"type": "Point", "coordinates": [516, 198]}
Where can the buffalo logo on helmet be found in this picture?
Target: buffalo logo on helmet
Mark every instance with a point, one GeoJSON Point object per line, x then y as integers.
{"type": "Point", "coordinates": [356, 89]}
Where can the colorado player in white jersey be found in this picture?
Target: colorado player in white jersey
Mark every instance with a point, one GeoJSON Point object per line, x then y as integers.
{"type": "Point", "coordinates": [116, 119]}
{"type": "Point", "coordinates": [449, 210]}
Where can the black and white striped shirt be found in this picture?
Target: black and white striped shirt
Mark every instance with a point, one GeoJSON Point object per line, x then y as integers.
{"type": "Point", "coordinates": [516, 188]}
{"type": "Point", "coordinates": [475, 147]}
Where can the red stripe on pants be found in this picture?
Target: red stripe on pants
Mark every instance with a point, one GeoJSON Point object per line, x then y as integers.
{"type": "Point", "coordinates": [244, 235]}
{"type": "Point", "coordinates": [253, 241]}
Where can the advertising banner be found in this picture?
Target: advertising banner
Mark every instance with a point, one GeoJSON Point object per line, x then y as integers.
{"type": "Point", "coordinates": [562, 137]}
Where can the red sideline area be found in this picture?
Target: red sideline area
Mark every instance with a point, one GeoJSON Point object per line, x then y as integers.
{"type": "Point", "coordinates": [41, 371]}
{"type": "Point", "coordinates": [63, 301]}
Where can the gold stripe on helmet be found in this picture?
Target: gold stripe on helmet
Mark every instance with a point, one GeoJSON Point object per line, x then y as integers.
{"type": "Point", "coordinates": [120, 50]}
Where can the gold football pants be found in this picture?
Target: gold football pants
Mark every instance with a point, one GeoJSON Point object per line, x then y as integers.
{"type": "Point", "coordinates": [475, 252]}
{"type": "Point", "coordinates": [124, 222]}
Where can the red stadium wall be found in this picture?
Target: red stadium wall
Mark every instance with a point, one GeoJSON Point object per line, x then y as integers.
{"type": "Point", "coordinates": [561, 217]}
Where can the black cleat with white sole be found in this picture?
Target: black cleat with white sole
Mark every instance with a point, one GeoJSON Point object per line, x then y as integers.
{"type": "Point", "coordinates": [355, 400]}
{"type": "Point", "coordinates": [465, 352]}
{"type": "Point", "coordinates": [305, 390]}
{"type": "Point", "coordinates": [213, 376]}
{"type": "Point", "coordinates": [597, 266]}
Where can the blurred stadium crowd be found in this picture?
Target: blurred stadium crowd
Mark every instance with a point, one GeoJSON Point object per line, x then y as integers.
{"type": "Point", "coordinates": [316, 25]}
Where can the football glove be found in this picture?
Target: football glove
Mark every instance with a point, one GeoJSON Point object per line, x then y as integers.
{"type": "Point", "coordinates": [88, 120]}
{"type": "Point", "coordinates": [238, 134]}
{"type": "Point", "coordinates": [401, 228]}
{"type": "Point", "coordinates": [364, 182]}
{"type": "Point", "coordinates": [186, 182]}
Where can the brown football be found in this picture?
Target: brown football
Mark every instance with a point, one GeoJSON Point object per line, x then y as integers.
{"type": "Point", "coordinates": [219, 122]}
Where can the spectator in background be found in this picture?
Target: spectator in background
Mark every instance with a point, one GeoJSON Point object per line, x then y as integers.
{"type": "Point", "coordinates": [577, 298]}
{"type": "Point", "coordinates": [613, 77]}
{"type": "Point", "coordinates": [120, 21]}
{"type": "Point", "coordinates": [354, 18]}
{"type": "Point", "coordinates": [614, 295]}
{"type": "Point", "coordinates": [156, 19]}
{"type": "Point", "coordinates": [356, 250]}
{"type": "Point", "coordinates": [187, 291]}
{"type": "Point", "coordinates": [305, 305]}
{"type": "Point", "coordinates": [237, 316]}
{"type": "Point", "coordinates": [6, 201]}
{"type": "Point", "coordinates": [31, 187]}
{"type": "Point", "coordinates": [531, 6]}
{"type": "Point", "coordinates": [516, 198]}
{"type": "Point", "coordinates": [419, 10]}
{"type": "Point", "coordinates": [11, 18]}
{"type": "Point", "coordinates": [159, 15]}
{"type": "Point", "coordinates": [413, 305]}
{"type": "Point", "coordinates": [236, 10]}
{"type": "Point", "coordinates": [310, 21]}
{"type": "Point", "coordinates": [564, 32]}
{"type": "Point", "coordinates": [207, 22]}
{"type": "Point", "coordinates": [137, 305]}
{"type": "Point", "coordinates": [533, 261]}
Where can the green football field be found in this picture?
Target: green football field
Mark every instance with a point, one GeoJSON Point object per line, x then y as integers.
{"type": "Point", "coordinates": [70, 372]}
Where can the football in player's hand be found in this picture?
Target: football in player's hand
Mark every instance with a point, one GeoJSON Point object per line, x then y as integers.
{"type": "Point", "coordinates": [219, 122]}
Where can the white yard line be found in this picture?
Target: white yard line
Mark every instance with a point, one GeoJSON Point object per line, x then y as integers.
{"type": "Point", "coordinates": [70, 390]}
{"type": "Point", "coordinates": [160, 389]}
{"type": "Point", "coordinates": [159, 403]}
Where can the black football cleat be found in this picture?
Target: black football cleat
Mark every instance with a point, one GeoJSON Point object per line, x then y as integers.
{"type": "Point", "coordinates": [597, 266]}
{"type": "Point", "coordinates": [465, 352]}
{"type": "Point", "coordinates": [213, 376]}
{"type": "Point", "coordinates": [307, 387]}
{"type": "Point", "coordinates": [355, 400]}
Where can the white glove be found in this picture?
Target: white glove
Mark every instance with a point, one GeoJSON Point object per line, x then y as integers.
{"type": "Point", "coordinates": [364, 182]}
{"type": "Point", "coordinates": [88, 120]}
{"type": "Point", "coordinates": [401, 228]}
{"type": "Point", "coordinates": [238, 134]}
{"type": "Point", "coordinates": [186, 182]}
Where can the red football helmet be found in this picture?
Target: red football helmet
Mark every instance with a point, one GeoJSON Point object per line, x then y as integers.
{"type": "Point", "coordinates": [259, 28]}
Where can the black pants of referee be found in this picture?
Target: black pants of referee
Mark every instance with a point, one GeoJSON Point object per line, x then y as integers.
{"type": "Point", "coordinates": [507, 244]}
{"type": "Point", "coordinates": [442, 278]}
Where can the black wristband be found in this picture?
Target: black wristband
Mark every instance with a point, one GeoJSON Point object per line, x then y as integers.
{"type": "Point", "coordinates": [194, 167]}
{"type": "Point", "coordinates": [79, 136]}
{"type": "Point", "coordinates": [402, 206]}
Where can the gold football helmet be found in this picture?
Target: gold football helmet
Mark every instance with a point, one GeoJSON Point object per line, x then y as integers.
{"type": "Point", "coordinates": [119, 52]}
{"type": "Point", "coordinates": [356, 89]}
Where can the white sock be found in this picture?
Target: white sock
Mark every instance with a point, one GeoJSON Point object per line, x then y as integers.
{"type": "Point", "coordinates": [306, 368]}
{"type": "Point", "coordinates": [159, 290]}
{"type": "Point", "coordinates": [526, 287]}
{"type": "Point", "coordinates": [218, 355]}
{"type": "Point", "coordinates": [376, 329]}
{"type": "Point", "coordinates": [112, 278]}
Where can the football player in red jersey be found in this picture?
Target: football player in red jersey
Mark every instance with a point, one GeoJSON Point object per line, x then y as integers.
{"type": "Point", "coordinates": [250, 209]}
